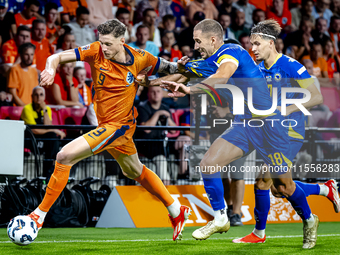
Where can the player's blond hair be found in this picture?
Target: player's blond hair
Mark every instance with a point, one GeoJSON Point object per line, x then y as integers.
{"type": "Point", "coordinates": [267, 29]}
{"type": "Point", "coordinates": [210, 27]}
{"type": "Point", "coordinates": [112, 26]}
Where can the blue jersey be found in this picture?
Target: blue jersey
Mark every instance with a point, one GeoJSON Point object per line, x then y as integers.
{"type": "Point", "coordinates": [287, 72]}
{"type": "Point", "coordinates": [247, 75]}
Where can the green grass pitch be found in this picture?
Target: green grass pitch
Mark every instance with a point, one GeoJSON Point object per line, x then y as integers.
{"type": "Point", "coordinates": [281, 239]}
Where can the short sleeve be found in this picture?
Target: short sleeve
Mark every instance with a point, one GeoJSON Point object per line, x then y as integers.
{"type": "Point", "coordinates": [88, 53]}
{"type": "Point", "coordinates": [299, 73]}
{"type": "Point", "coordinates": [229, 55]}
{"type": "Point", "coordinates": [13, 79]}
{"type": "Point", "coordinates": [27, 116]}
{"type": "Point", "coordinates": [148, 62]}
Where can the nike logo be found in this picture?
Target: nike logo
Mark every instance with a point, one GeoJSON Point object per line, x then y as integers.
{"type": "Point", "coordinates": [102, 69]}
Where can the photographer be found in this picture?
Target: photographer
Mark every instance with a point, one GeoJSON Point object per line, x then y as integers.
{"type": "Point", "coordinates": [153, 113]}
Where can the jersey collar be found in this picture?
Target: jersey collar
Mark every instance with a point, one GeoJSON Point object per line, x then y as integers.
{"type": "Point", "coordinates": [277, 58]}
{"type": "Point", "coordinates": [126, 64]}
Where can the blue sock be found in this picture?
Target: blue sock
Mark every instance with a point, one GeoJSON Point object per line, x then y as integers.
{"type": "Point", "coordinates": [309, 189]}
{"type": "Point", "coordinates": [299, 203]}
{"type": "Point", "coordinates": [214, 187]}
{"type": "Point", "coordinates": [262, 207]}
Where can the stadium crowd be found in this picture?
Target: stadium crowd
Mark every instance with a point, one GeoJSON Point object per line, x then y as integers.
{"type": "Point", "coordinates": [32, 30]}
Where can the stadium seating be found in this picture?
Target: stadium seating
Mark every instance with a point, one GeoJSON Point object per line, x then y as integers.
{"type": "Point", "coordinates": [331, 97]}
{"type": "Point", "coordinates": [11, 112]}
{"type": "Point", "coordinates": [71, 116]}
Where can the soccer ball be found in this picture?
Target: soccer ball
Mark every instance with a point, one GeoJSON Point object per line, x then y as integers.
{"type": "Point", "coordinates": [22, 230]}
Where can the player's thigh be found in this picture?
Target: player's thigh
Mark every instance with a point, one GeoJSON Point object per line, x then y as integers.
{"type": "Point", "coordinates": [295, 146]}
{"type": "Point", "coordinates": [74, 152]}
{"type": "Point", "coordinates": [220, 153]}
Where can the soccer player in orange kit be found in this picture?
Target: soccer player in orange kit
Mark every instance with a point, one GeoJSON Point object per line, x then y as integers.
{"type": "Point", "coordinates": [114, 67]}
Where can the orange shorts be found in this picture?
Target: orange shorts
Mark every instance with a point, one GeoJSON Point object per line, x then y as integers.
{"type": "Point", "coordinates": [113, 139]}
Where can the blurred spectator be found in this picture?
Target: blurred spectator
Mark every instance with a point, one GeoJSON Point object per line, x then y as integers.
{"type": "Point", "coordinates": [225, 21]}
{"type": "Point", "coordinates": [247, 8]}
{"type": "Point", "coordinates": [334, 31]}
{"type": "Point", "coordinates": [130, 6]}
{"type": "Point", "coordinates": [43, 47]}
{"type": "Point", "coordinates": [244, 39]}
{"type": "Point", "coordinates": [23, 77]}
{"type": "Point", "coordinates": [8, 28]}
{"type": "Point", "coordinates": [305, 10]}
{"type": "Point", "coordinates": [320, 69]}
{"type": "Point", "coordinates": [9, 50]}
{"type": "Point", "coordinates": [29, 13]}
{"type": "Point", "coordinates": [320, 32]}
{"type": "Point", "coordinates": [335, 7]}
{"type": "Point", "coordinates": [333, 122]}
{"type": "Point", "coordinates": [153, 113]}
{"type": "Point", "coordinates": [161, 7]}
{"type": "Point", "coordinates": [100, 11]}
{"type": "Point", "coordinates": [169, 24]}
{"type": "Point", "coordinates": [333, 60]}
{"type": "Point", "coordinates": [85, 94]}
{"type": "Point", "coordinates": [187, 51]}
{"type": "Point", "coordinates": [321, 9]}
{"type": "Point", "coordinates": [279, 45]}
{"type": "Point", "coordinates": [46, 3]}
{"type": "Point", "coordinates": [186, 36]}
{"type": "Point", "coordinates": [149, 20]}
{"type": "Point", "coordinates": [205, 6]}
{"type": "Point", "coordinates": [227, 8]}
{"type": "Point", "coordinates": [70, 8]}
{"type": "Point", "coordinates": [168, 45]}
{"type": "Point", "coordinates": [238, 25]}
{"type": "Point", "coordinates": [82, 32]}
{"type": "Point", "coordinates": [310, 68]}
{"type": "Point", "coordinates": [53, 31]}
{"type": "Point", "coordinates": [4, 98]}
{"type": "Point", "coordinates": [66, 42]}
{"type": "Point", "coordinates": [64, 90]}
{"type": "Point", "coordinates": [38, 112]}
{"type": "Point", "coordinates": [290, 52]}
{"type": "Point", "coordinates": [123, 15]}
{"type": "Point", "coordinates": [142, 42]}
{"type": "Point", "coordinates": [300, 39]}
{"type": "Point", "coordinates": [281, 15]}
{"type": "Point", "coordinates": [258, 16]}
{"type": "Point", "coordinates": [179, 14]}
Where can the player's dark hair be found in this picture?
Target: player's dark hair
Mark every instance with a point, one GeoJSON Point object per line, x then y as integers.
{"type": "Point", "coordinates": [25, 46]}
{"type": "Point", "coordinates": [267, 27]}
{"type": "Point", "coordinates": [49, 7]}
{"type": "Point", "coordinates": [36, 22]}
{"type": "Point", "coordinates": [112, 26]}
{"type": "Point", "coordinates": [23, 28]}
{"type": "Point", "coordinates": [82, 10]}
{"type": "Point", "coordinates": [28, 3]}
{"type": "Point", "coordinates": [148, 10]}
{"type": "Point", "coordinates": [122, 11]}
{"type": "Point", "coordinates": [210, 27]}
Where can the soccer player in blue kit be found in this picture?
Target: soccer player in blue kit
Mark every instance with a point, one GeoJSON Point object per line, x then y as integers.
{"type": "Point", "coordinates": [282, 71]}
{"type": "Point", "coordinates": [270, 141]}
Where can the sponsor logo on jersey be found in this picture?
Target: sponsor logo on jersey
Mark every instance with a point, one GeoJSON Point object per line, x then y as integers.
{"type": "Point", "coordinates": [268, 78]}
{"type": "Point", "coordinates": [86, 47]}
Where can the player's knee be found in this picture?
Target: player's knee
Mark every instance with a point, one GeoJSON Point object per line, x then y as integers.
{"type": "Point", "coordinates": [263, 184]}
{"type": "Point", "coordinates": [284, 190]}
{"type": "Point", "coordinates": [207, 166]}
{"type": "Point", "coordinates": [63, 158]}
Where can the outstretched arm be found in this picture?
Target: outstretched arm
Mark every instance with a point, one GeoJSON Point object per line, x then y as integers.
{"type": "Point", "coordinates": [47, 76]}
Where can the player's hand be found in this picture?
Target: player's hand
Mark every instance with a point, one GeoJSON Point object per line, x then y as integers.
{"type": "Point", "coordinates": [143, 79]}
{"type": "Point", "coordinates": [60, 133]}
{"type": "Point", "coordinates": [181, 64]}
{"type": "Point", "coordinates": [46, 79]}
{"type": "Point", "coordinates": [177, 89]}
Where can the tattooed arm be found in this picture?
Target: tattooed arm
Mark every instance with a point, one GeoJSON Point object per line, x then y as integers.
{"type": "Point", "coordinates": [167, 67]}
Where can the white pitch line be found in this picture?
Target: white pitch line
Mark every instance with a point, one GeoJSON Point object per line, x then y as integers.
{"type": "Point", "coordinates": [159, 240]}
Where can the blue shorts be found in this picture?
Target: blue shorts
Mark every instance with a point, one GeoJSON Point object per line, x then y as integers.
{"type": "Point", "coordinates": [271, 141]}
{"type": "Point", "coordinates": [295, 146]}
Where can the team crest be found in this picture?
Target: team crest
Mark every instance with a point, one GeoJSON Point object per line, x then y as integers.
{"type": "Point", "coordinates": [129, 78]}
{"type": "Point", "coordinates": [86, 47]}
{"type": "Point", "coordinates": [277, 77]}
{"type": "Point", "coordinates": [194, 65]}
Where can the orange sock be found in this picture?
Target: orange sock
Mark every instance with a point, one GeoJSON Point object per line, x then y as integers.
{"type": "Point", "coordinates": [55, 186]}
{"type": "Point", "coordinates": [151, 182]}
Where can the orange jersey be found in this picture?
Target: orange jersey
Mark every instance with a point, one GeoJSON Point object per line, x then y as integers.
{"type": "Point", "coordinates": [43, 51]}
{"type": "Point", "coordinates": [20, 20]}
{"type": "Point", "coordinates": [50, 32]}
{"type": "Point", "coordinates": [114, 87]}
{"type": "Point", "coordinates": [70, 6]}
